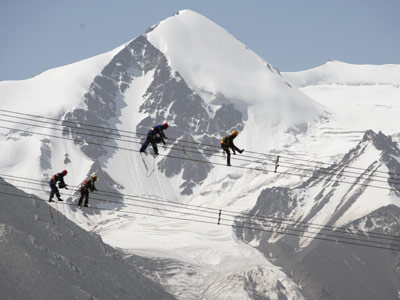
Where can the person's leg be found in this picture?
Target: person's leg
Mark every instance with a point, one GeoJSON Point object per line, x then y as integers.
{"type": "Point", "coordinates": [58, 194]}
{"type": "Point", "coordinates": [228, 157]}
{"type": "Point", "coordinates": [81, 198]}
{"type": "Point", "coordinates": [228, 154]}
{"type": "Point", "coordinates": [144, 146]}
{"type": "Point", "coordinates": [155, 147]}
{"type": "Point", "coordinates": [86, 198]}
{"type": "Point", "coordinates": [237, 149]}
{"type": "Point", "coordinates": [148, 140]}
{"type": "Point", "coordinates": [52, 192]}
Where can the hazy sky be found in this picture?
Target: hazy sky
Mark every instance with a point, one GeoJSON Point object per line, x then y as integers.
{"type": "Point", "coordinates": [37, 35]}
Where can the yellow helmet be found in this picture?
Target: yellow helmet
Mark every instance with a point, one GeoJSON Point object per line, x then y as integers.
{"type": "Point", "coordinates": [94, 176]}
{"type": "Point", "coordinates": [235, 133]}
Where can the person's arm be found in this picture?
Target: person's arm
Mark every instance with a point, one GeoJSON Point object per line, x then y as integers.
{"type": "Point", "coordinates": [61, 177]}
{"type": "Point", "coordinates": [92, 187]}
{"type": "Point", "coordinates": [163, 137]}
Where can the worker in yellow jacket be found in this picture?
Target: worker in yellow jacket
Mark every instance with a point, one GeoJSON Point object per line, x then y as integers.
{"type": "Point", "coordinates": [226, 143]}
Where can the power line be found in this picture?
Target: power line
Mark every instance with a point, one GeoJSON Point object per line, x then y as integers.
{"type": "Point", "coordinates": [376, 171]}
{"type": "Point", "coordinates": [209, 162]}
{"type": "Point", "coordinates": [108, 145]}
{"type": "Point", "coordinates": [382, 246]}
{"type": "Point", "coordinates": [262, 218]}
{"type": "Point", "coordinates": [191, 142]}
{"type": "Point", "coordinates": [321, 171]}
{"type": "Point", "coordinates": [326, 171]}
{"type": "Point", "coordinates": [115, 139]}
{"type": "Point", "coordinates": [237, 215]}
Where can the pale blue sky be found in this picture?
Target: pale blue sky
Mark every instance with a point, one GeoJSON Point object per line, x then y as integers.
{"type": "Point", "coordinates": [37, 35]}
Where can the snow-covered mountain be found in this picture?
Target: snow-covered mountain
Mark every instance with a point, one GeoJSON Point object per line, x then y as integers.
{"type": "Point", "coordinates": [359, 97]}
{"type": "Point", "coordinates": [190, 72]}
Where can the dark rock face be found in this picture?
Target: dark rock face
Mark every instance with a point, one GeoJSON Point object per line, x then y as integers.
{"type": "Point", "coordinates": [389, 149]}
{"type": "Point", "coordinates": [326, 269]}
{"type": "Point", "coordinates": [167, 98]}
{"type": "Point", "coordinates": [45, 154]}
{"type": "Point", "coordinates": [193, 171]}
{"type": "Point", "coordinates": [40, 260]}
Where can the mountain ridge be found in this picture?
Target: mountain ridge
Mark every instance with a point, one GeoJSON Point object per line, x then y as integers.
{"type": "Point", "coordinates": [323, 207]}
{"type": "Point", "coordinates": [341, 73]}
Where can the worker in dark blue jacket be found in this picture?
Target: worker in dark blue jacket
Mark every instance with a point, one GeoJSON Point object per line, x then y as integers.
{"type": "Point", "coordinates": [59, 177]}
{"type": "Point", "coordinates": [154, 136]}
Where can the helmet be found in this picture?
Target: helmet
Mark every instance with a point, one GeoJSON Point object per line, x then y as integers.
{"type": "Point", "coordinates": [94, 176]}
{"type": "Point", "coordinates": [64, 172]}
{"type": "Point", "coordinates": [235, 133]}
{"type": "Point", "coordinates": [166, 125]}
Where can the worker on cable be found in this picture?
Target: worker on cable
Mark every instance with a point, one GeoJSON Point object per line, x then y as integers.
{"type": "Point", "coordinates": [154, 136]}
{"type": "Point", "coordinates": [59, 177]}
{"type": "Point", "coordinates": [85, 186]}
{"type": "Point", "coordinates": [226, 143]}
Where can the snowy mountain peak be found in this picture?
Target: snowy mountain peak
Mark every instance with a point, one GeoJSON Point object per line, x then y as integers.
{"type": "Point", "coordinates": [381, 141]}
{"type": "Point", "coordinates": [186, 70]}
{"type": "Point", "coordinates": [222, 70]}
{"type": "Point", "coordinates": [341, 73]}
{"type": "Point", "coordinates": [210, 59]}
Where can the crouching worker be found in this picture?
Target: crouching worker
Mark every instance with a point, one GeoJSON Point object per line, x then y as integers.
{"type": "Point", "coordinates": [86, 185]}
{"type": "Point", "coordinates": [155, 136]}
{"type": "Point", "coordinates": [59, 177]}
